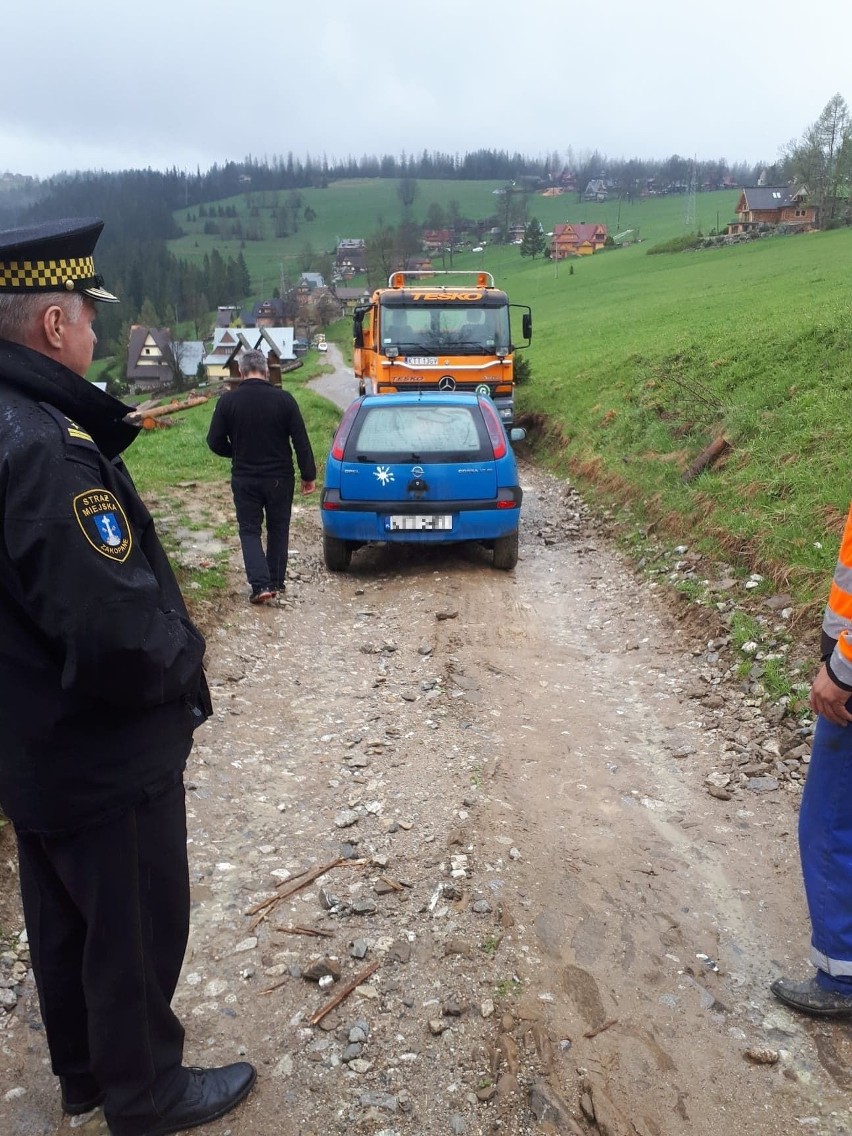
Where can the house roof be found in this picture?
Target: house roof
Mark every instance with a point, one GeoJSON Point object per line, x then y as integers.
{"type": "Point", "coordinates": [161, 340]}
{"type": "Point", "coordinates": [579, 233]}
{"type": "Point", "coordinates": [265, 308]}
{"type": "Point", "coordinates": [277, 339]}
{"type": "Point", "coordinates": [769, 197]}
{"type": "Point", "coordinates": [312, 279]}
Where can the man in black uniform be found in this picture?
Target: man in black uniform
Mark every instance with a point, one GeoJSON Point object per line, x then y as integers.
{"type": "Point", "coordinates": [258, 426]}
{"type": "Point", "coordinates": [101, 687]}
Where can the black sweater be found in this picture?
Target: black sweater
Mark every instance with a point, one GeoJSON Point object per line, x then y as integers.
{"type": "Point", "coordinates": [258, 426]}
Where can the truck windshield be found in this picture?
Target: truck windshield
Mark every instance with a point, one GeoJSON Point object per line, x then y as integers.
{"type": "Point", "coordinates": [450, 328]}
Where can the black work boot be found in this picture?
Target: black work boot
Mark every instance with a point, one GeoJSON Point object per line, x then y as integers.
{"type": "Point", "coordinates": [810, 998]}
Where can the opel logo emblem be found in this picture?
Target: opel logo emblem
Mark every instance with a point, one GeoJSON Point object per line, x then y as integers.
{"type": "Point", "coordinates": [417, 471]}
{"type": "Point", "coordinates": [446, 383]}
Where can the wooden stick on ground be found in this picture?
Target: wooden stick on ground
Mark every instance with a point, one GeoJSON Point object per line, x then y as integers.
{"type": "Point", "coordinates": [297, 930]}
{"type": "Point", "coordinates": [599, 1029]}
{"type": "Point", "coordinates": [261, 910]}
{"type": "Point", "coordinates": [344, 992]}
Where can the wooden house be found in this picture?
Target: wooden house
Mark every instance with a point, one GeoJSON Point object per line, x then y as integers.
{"type": "Point", "coordinates": [150, 363]}
{"type": "Point", "coordinates": [577, 239]}
{"type": "Point", "coordinates": [436, 239]}
{"type": "Point", "coordinates": [351, 255]}
{"type": "Point", "coordinates": [773, 205]}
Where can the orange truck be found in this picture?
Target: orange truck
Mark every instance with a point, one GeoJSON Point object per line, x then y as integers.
{"type": "Point", "coordinates": [422, 333]}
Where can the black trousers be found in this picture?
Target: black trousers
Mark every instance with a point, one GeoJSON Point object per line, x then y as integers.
{"type": "Point", "coordinates": [255, 497]}
{"type": "Point", "coordinates": [107, 915]}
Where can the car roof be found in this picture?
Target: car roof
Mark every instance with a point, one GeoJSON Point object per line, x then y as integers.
{"type": "Point", "coordinates": [421, 398]}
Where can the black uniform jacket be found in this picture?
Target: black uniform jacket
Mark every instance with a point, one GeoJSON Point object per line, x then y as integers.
{"type": "Point", "coordinates": [254, 426]}
{"type": "Point", "coordinates": [101, 680]}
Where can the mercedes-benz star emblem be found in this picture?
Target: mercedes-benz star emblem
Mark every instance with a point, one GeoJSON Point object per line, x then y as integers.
{"type": "Point", "coordinates": [446, 383]}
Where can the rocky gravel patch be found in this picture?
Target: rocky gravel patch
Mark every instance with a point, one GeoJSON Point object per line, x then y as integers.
{"type": "Point", "coordinates": [361, 930]}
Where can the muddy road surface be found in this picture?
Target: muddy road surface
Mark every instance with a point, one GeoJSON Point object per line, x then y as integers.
{"type": "Point", "coordinates": [456, 866]}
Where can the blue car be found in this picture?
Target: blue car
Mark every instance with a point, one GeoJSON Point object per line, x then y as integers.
{"type": "Point", "coordinates": [421, 468]}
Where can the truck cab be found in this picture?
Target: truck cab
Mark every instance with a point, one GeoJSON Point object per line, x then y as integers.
{"type": "Point", "coordinates": [434, 335]}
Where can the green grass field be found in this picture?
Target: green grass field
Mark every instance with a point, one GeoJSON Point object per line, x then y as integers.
{"type": "Point", "coordinates": [359, 208]}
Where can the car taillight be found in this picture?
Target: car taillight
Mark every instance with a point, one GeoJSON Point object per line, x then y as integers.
{"type": "Point", "coordinates": [494, 427]}
{"type": "Point", "coordinates": [509, 497]}
{"type": "Point", "coordinates": [343, 430]}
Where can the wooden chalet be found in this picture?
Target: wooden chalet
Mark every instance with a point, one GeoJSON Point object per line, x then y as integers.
{"type": "Point", "coordinates": [577, 239]}
{"type": "Point", "coordinates": [150, 363]}
{"type": "Point", "coordinates": [351, 255]}
{"type": "Point", "coordinates": [773, 205]}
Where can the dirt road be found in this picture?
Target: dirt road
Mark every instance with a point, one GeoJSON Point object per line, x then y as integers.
{"type": "Point", "coordinates": [505, 773]}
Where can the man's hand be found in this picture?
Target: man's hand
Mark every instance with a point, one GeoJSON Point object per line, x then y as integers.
{"type": "Point", "coordinates": [829, 699]}
{"type": "Point", "coordinates": [310, 486]}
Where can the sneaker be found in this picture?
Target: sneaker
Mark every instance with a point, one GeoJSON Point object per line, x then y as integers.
{"type": "Point", "coordinates": [261, 595]}
{"type": "Point", "coordinates": [811, 998]}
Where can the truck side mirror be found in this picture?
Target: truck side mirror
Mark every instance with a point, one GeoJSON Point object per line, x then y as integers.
{"type": "Point", "coordinates": [526, 325]}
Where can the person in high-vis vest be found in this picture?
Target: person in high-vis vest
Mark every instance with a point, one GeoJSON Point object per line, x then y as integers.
{"type": "Point", "coordinates": [825, 818]}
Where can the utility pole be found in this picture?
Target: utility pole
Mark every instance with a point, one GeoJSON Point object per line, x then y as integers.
{"type": "Point", "coordinates": [690, 200]}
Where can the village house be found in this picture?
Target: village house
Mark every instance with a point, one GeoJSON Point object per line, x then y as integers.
{"type": "Point", "coordinates": [351, 255]}
{"type": "Point", "coordinates": [773, 205]}
{"type": "Point", "coordinates": [267, 313]}
{"type": "Point", "coordinates": [596, 190]}
{"type": "Point", "coordinates": [350, 298]}
{"type": "Point", "coordinates": [577, 239]}
{"type": "Point", "coordinates": [153, 358]}
{"type": "Point", "coordinates": [436, 239]}
{"type": "Point", "coordinates": [225, 339]}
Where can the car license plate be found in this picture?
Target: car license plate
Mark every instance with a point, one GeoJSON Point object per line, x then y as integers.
{"type": "Point", "coordinates": [413, 522]}
{"type": "Point", "coordinates": [422, 360]}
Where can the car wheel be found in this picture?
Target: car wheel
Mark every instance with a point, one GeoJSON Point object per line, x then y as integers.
{"type": "Point", "coordinates": [337, 553]}
{"type": "Point", "coordinates": [506, 552]}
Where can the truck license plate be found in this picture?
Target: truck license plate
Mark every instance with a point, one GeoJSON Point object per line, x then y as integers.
{"type": "Point", "coordinates": [422, 360]}
{"type": "Point", "coordinates": [419, 523]}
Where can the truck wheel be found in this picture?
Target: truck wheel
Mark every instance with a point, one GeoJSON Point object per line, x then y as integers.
{"type": "Point", "coordinates": [337, 553]}
{"type": "Point", "coordinates": [506, 552]}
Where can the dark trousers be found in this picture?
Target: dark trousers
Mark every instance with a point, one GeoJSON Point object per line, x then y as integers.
{"type": "Point", "coordinates": [107, 915]}
{"type": "Point", "coordinates": [255, 497]}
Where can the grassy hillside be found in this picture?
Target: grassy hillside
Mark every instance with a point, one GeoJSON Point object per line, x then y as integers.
{"type": "Point", "coordinates": [643, 361]}
{"type": "Point", "coordinates": [359, 208]}
{"type": "Point", "coordinates": [639, 361]}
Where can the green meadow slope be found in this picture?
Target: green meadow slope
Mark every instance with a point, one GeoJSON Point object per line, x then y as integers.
{"type": "Point", "coordinates": [638, 362]}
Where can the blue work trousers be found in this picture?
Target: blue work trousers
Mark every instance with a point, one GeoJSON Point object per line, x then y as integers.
{"type": "Point", "coordinates": [825, 846]}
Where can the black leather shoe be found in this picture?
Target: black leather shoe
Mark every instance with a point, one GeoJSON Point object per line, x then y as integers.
{"type": "Point", "coordinates": [210, 1094]}
{"type": "Point", "coordinates": [80, 1094]}
{"type": "Point", "coordinates": [810, 998]}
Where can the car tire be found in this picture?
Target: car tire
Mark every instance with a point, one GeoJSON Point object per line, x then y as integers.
{"type": "Point", "coordinates": [337, 553]}
{"type": "Point", "coordinates": [506, 552]}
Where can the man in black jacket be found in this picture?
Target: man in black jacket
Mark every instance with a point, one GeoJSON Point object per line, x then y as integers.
{"type": "Point", "coordinates": [101, 687]}
{"type": "Point", "coordinates": [258, 426]}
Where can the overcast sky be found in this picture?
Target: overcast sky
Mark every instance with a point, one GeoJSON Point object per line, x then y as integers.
{"type": "Point", "coordinates": [185, 83]}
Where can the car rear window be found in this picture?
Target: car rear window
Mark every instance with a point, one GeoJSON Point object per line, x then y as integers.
{"type": "Point", "coordinates": [419, 433]}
